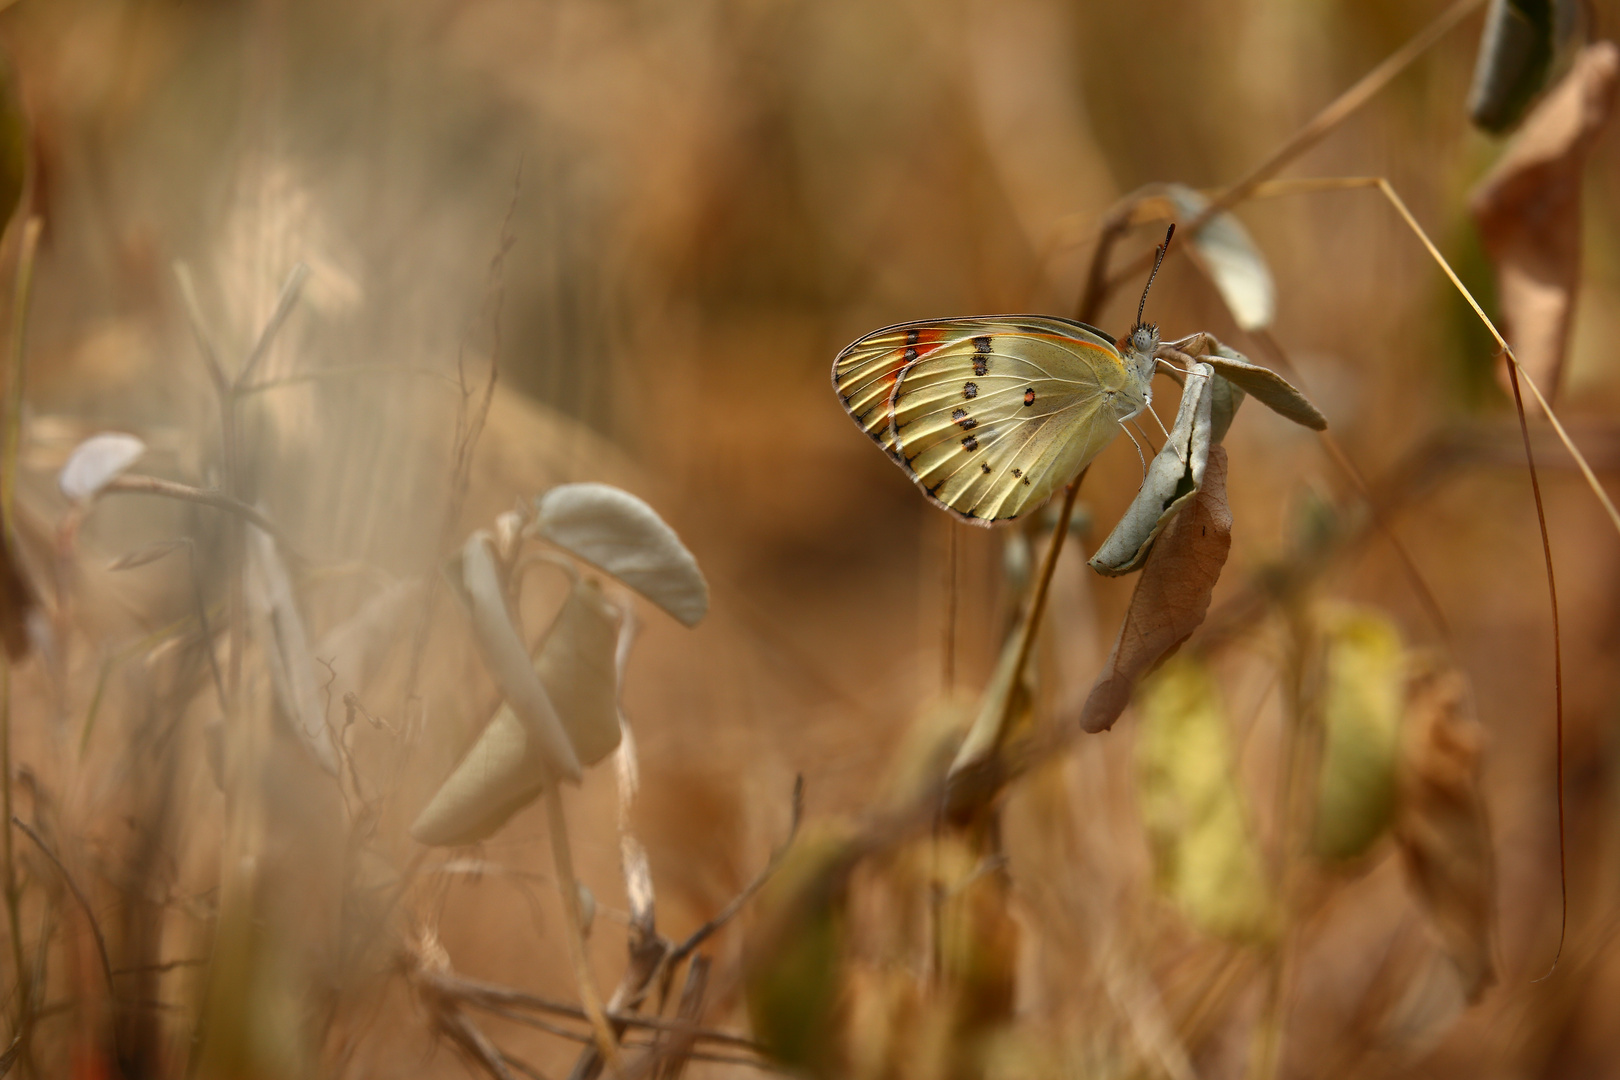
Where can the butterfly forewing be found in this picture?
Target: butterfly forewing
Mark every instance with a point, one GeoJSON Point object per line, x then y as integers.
{"type": "Point", "coordinates": [864, 373]}
{"type": "Point", "coordinates": [988, 415]}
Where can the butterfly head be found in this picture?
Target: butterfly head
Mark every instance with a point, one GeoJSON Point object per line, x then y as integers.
{"type": "Point", "coordinates": [1144, 336]}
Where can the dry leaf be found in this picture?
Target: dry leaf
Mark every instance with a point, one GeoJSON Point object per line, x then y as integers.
{"type": "Point", "coordinates": [1267, 387]}
{"type": "Point", "coordinates": [1171, 598]}
{"type": "Point", "coordinates": [1204, 853]}
{"type": "Point", "coordinates": [508, 661]}
{"type": "Point", "coordinates": [286, 648]}
{"type": "Point", "coordinates": [499, 776]}
{"type": "Point", "coordinates": [1518, 52]}
{"type": "Point", "coordinates": [1528, 210]}
{"type": "Point", "coordinates": [1443, 834]}
{"type": "Point", "coordinates": [505, 770]}
{"type": "Point", "coordinates": [1225, 397]}
{"type": "Point", "coordinates": [1362, 701]}
{"type": "Point", "coordinates": [1227, 253]}
{"type": "Point", "coordinates": [1173, 477]}
{"type": "Point", "coordinates": [997, 706]}
{"type": "Point", "coordinates": [613, 530]}
{"type": "Point", "coordinates": [97, 462]}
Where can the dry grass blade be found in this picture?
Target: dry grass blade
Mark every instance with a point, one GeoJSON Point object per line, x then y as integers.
{"type": "Point", "coordinates": [290, 291]}
{"type": "Point", "coordinates": [1314, 131]}
{"type": "Point", "coordinates": [78, 895]}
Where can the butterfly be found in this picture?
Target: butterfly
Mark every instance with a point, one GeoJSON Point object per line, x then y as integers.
{"type": "Point", "coordinates": [991, 414]}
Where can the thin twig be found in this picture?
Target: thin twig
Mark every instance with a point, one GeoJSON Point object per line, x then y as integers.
{"type": "Point", "coordinates": [199, 330]}
{"type": "Point", "coordinates": [489, 996]}
{"type": "Point", "coordinates": [948, 646]}
{"type": "Point", "coordinates": [290, 291]}
{"type": "Point", "coordinates": [84, 901]}
{"type": "Point", "coordinates": [1515, 372]}
{"type": "Point", "coordinates": [1558, 667]}
{"type": "Point", "coordinates": [466, 1035]}
{"type": "Point", "coordinates": [342, 371]}
{"type": "Point", "coordinates": [17, 369]}
{"type": "Point", "coordinates": [523, 1067]}
{"type": "Point", "coordinates": [13, 893]}
{"type": "Point", "coordinates": [158, 969]}
{"type": "Point", "coordinates": [469, 426]}
{"type": "Point", "coordinates": [689, 1010]}
{"type": "Point", "coordinates": [151, 485]}
{"type": "Point", "coordinates": [1036, 609]}
{"type": "Point", "coordinates": [1317, 128]}
{"type": "Point", "coordinates": [708, 929]}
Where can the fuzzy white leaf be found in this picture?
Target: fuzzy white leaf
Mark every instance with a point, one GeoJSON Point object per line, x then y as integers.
{"type": "Point", "coordinates": [508, 661]}
{"type": "Point", "coordinates": [499, 776]}
{"type": "Point", "coordinates": [618, 533]}
{"type": "Point", "coordinates": [505, 770]}
{"type": "Point", "coordinates": [97, 462]}
{"type": "Point", "coordinates": [576, 666]}
{"type": "Point", "coordinates": [1233, 261]}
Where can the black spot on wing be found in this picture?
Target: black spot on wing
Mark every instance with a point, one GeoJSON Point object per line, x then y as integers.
{"type": "Point", "coordinates": [970, 390]}
{"type": "Point", "coordinates": [913, 336]}
{"type": "Point", "coordinates": [970, 444]}
{"type": "Point", "coordinates": [982, 343]}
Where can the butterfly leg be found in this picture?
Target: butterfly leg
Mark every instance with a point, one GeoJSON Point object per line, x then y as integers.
{"type": "Point", "coordinates": [1138, 446]}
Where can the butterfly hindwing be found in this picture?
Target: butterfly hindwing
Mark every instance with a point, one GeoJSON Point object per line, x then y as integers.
{"type": "Point", "coordinates": [989, 415]}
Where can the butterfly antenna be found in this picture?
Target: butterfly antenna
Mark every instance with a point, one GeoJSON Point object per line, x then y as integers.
{"type": "Point", "coordinates": [1157, 262]}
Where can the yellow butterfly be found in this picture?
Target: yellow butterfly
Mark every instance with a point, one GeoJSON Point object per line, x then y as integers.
{"type": "Point", "coordinates": [991, 414]}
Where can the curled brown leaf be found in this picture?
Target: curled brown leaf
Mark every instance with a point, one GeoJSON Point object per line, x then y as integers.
{"type": "Point", "coordinates": [1528, 210]}
{"type": "Point", "coordinates": [1171, 598]}
{"type": "Point", "coordinates": [1444, 838]}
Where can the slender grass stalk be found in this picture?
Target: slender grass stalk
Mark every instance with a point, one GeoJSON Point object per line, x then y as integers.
{"type": "Point", "coordinates": [1043, 584]}
{"type": "Point", "coordinates": [1298, 756]}
{"type": "Point", "coordinates": [16, 369]}
{"type": "Point", "coordinates": [13, 893]}
{"type": "Point", "coordinates": [568, 886]}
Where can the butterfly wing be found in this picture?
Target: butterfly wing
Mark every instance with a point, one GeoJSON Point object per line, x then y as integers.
{"type": "Point", "coordinates": [988, 415]}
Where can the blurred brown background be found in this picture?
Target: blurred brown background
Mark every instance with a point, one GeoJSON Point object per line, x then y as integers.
{"type": "Point", "coordinates": [713, 197]}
